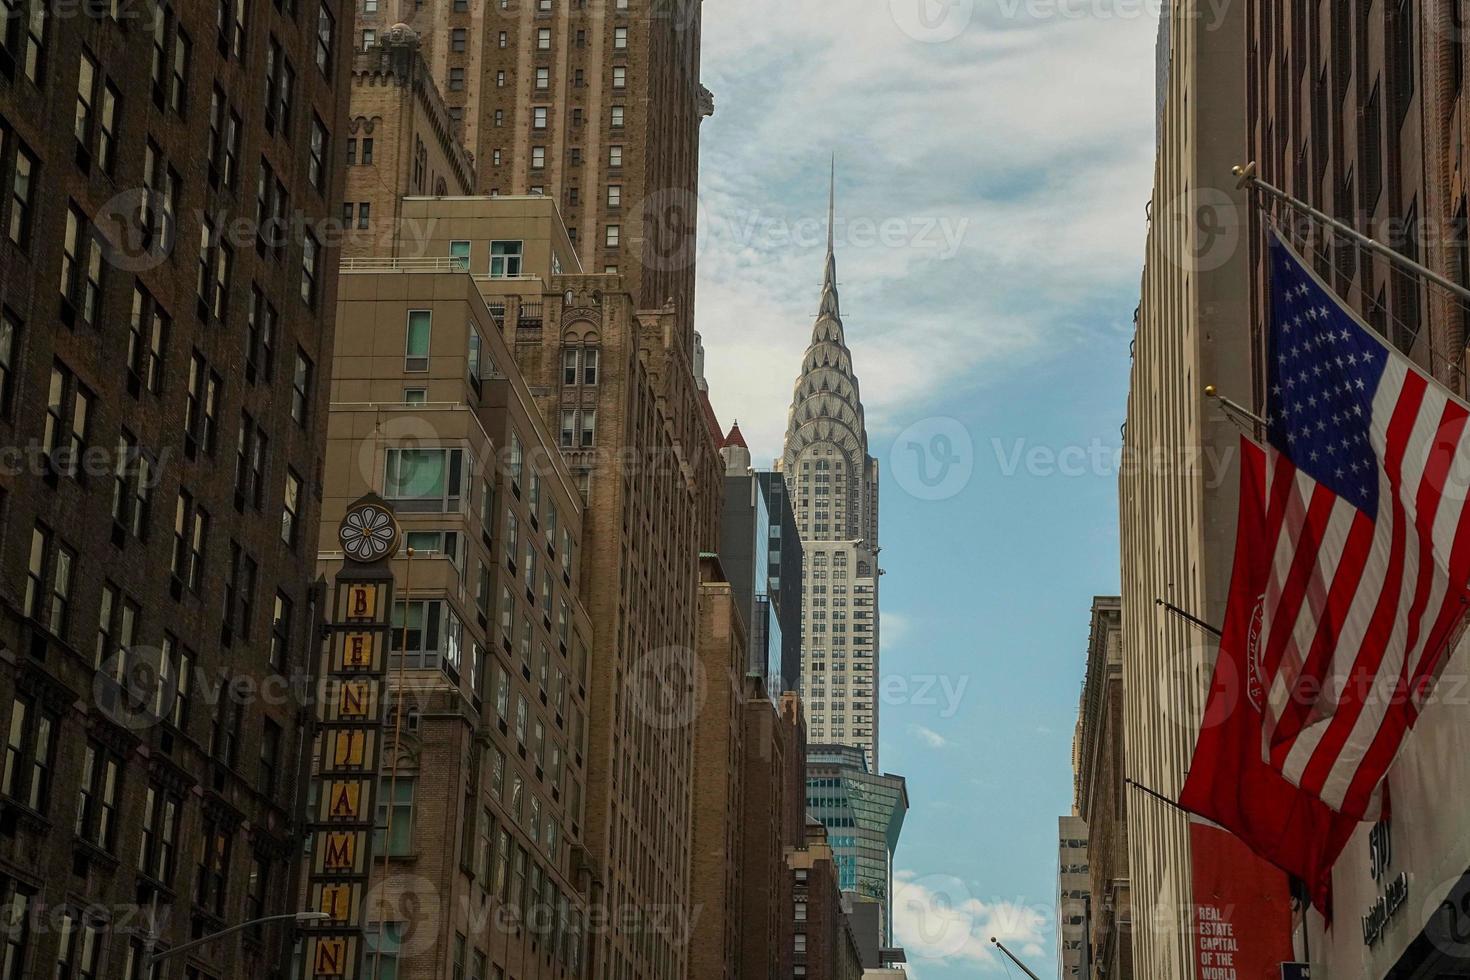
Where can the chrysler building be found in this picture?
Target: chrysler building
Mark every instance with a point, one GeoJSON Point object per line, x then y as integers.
{"type": "Point", "coordinates": [833, 484]}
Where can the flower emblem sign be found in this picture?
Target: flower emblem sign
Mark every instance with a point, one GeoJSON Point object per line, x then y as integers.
{"type": "Point", "coordinates": [368, 533]}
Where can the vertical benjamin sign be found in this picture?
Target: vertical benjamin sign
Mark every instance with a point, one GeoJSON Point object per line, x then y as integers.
{"type": "Point", "coordinates": [349, 738]}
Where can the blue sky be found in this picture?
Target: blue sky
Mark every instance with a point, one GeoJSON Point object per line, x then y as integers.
{"type": "Point", "coordinates": [994, 160]}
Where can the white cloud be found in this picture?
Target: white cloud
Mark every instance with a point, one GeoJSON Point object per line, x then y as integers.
{"type": "Point", "coordinates": [928, 736]}
{"type": "Point", "coordinates": [1031, 137]}
{"type": "Point", "coordinates": [935, 918]}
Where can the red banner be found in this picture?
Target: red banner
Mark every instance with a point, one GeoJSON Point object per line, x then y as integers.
{"type": "Point", "coordinates": [1242, 909]}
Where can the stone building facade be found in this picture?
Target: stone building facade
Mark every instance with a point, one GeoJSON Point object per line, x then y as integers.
{"type": "Point", "coordinates": [1177, 519]}
{"type": "Point", "coordinates": [1073, 900]}
{"type": "Point", "coordinates": [482, 868]}
{"type": "Point", "coordinates": [145, 530]}
{"type": "Point", "coordinates": [1101, 795]}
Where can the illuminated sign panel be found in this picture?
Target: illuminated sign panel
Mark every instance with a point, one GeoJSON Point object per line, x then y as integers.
{"type": "Point", "coordinates": [349, 739]}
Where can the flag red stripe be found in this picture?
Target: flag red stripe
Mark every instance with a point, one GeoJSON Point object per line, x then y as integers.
{"type": "Point", "coordinates": [1303, 566]}
{"type": "Point", "coordinates": [1345, 587]}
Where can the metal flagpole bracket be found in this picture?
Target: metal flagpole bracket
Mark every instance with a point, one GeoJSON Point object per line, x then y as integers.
{"type": "Point", "coordinates": [1248, 179]}
{"type": "Point", "coordinates": [1233, 407]}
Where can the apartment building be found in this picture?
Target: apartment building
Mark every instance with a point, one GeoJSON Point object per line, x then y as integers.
{"type": "Point", "coordinates": [166, 315]}
{"type": "Point", "coordinates": [616, 385]}
{"type": "Point", "coordinates": [481, 800]}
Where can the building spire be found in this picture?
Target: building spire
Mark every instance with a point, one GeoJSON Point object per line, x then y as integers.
{"type": "Point", "coordinates": [829, 305]}
{"type": "Point", "coordinates": [831, 203]}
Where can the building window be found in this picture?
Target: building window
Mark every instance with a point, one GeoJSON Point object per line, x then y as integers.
{"type": "Point", "coordinates": [620, 38]}
{"type": "Point", "coordinates": [301, 388]}
{"type": "Point", "coordinates": [416, 342]}
{"type": "Point", "coordinates": [617, 117]}
{"type": "Point", "coordinates": [240, 577]}
{"type": "Point", "coordinates": [456, 79]}
{"type": "Point", "coordinates": [381, 942]}
{"type": "Point", "coordinates": [211, 882]}
{"type": "Point", "coordinates": [148, 327]}
{"type": "Point", "coordinates": [280, 650]}
{"type": "Point", "coordinates": [505, 260]}
{"type": "Point", "coordinates": [457, 38]}
{"type": "Point", "coordinates": [369, 38]}
{"type": "Point", "coordinates": [27, 776]}
{"type": "Point", "coordinates": [159, 844]}
{"type": "Point", "coordinates": [619, 77]}
{"type": "Point", "coordinates": [316, 170]}
{"type": "Point", "coordinates": [612, 236]}
{"type": "Point", "coordinates": [49, 580]}
{"type": "Point", "coordinates": [191, 529]}
{"type": "Point", "coordinates": [270, 756]}
{"type": "Point", "coordinates": [81, 265]}
{"type": "Point", "coordinates": [538, 157]}
{"type": "Point", "coordinates": [393, 828]}
{"type": "Point", "coordinates": [425, 480]}
{"type": "Point", "coordinates": [250, 456]}
{"type": "Point", "coordinates": [543, 39]}
{"type": "Point", "coordinates": [310, 268]}
{"type": "Point", "coordinates": [291, 509]}
{"type": "Point", "coordinates": [132, 486]}
{"type": "Point", "coordinates": [22, 189]}
{"type": "Point", "coordinates": [97, 797]}
{"type": "Point", "coordinates": [543, 78]}
{"type": "Point", "coordinates": [326, 28]}
{"type": "Point", "coordinates": [614, 195]}
{"type": "Point", "coordinates": [614, 156]}
{"type": "Point", "coordinates": [79, 944]}
{"type": "Point", "coordinates": [9, 349]}
{"type": "Point", "coordinates": [538, 121]}
{"type": "Point", "coordinates": [86, 96]}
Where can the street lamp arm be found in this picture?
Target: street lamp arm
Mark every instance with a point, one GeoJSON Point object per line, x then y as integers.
{"type": "Point", "coordinates": [196, 943]}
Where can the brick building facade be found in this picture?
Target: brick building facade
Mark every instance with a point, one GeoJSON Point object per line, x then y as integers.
{"type": "Point", "coordinates": [823, 944]}
{"type": "Point", "coordinates": [400, 140]}
{"type": "Point", "coordinates": [167, 317]}
{"type": "Point", "coordinates": [595, 103]}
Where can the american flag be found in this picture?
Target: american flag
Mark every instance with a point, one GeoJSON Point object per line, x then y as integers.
{"type": "Point", "coordinates": [1366, 478]}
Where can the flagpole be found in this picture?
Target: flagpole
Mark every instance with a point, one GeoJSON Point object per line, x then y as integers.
{"type": "Point", "coordinates": [1248, 178]}
{"type": "Point", "coordinates": [1001, 946]}
{"type": "Point", "coordinates": [1169, 606]}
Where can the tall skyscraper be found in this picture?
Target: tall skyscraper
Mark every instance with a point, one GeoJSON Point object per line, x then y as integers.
{"type": "Point", "coordinates": [1177, 525]}
{"type": "Point", "coordinates": [163, 341]}
{"type": "Point", "coordinates": [596, 103]}
{"type": "Point", "coordinates": [833, 486]}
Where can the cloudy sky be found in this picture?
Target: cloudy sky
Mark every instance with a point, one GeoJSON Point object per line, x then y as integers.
{"type": "Point", "coordinates": [994, 159]}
